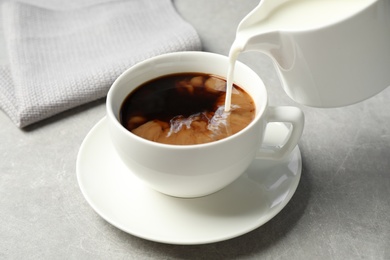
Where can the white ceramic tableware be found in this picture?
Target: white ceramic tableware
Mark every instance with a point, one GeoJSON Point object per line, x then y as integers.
{"type": "Point", "coordinates": [124, 201]}
{"type": "Point", "coordinates": [202, 169]}
{"type": "Point", "coordinates": [328, 53]}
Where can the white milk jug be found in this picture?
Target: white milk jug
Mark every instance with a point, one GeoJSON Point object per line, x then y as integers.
{"type": "Point", "coordinates": [329, 53]}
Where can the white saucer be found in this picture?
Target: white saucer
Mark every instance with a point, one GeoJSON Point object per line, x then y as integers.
{"type": "Point", "coordinates": [122, 200]}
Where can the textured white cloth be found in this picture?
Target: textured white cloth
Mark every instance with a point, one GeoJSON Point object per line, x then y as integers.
{"type": "Point", "coordinates": [62, 54]}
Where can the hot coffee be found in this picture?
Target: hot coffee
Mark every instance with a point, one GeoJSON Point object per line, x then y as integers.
{"type": "Point", "coordinates": [185, 109]}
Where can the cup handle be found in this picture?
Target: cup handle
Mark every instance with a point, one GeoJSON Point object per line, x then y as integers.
{"type": "Point", "coordinates": [286, 114]}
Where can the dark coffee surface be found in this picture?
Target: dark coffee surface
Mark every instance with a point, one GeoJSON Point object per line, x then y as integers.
{"type": "Point", "coordinates": [185, 108]}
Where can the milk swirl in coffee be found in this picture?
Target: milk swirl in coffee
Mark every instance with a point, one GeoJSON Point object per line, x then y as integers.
{"type": "Point", "coordinates": [185, 109]}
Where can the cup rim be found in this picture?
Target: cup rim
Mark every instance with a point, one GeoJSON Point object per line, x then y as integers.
{"type": "Point", "coordinates": [260, 111]}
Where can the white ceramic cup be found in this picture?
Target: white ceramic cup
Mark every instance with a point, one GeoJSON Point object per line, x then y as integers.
{"type": "Point", "coordinates": [196, 170]}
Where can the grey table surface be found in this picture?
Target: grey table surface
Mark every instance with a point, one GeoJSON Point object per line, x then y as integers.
{"type": "Point", "coordinates": [341, 209]}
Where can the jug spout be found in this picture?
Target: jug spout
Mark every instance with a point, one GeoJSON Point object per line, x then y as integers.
{"type": "Point", "coordinates": [274, 44]}
{"type": "Point", "coordinates": [252, 37]}
{"type": "Point", "coordinates": [294, 72]}
{"type": "Point", "coordinates": [260, 13]}
{"type": "Point", "coordinates": [265, 42]}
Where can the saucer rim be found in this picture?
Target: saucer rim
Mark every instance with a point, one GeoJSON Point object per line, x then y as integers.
{"type": "Point", "coordinates": [262, 218]}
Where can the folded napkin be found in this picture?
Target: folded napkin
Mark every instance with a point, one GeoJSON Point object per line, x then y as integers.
{"type": "Point", "coordinates": [61, 54]}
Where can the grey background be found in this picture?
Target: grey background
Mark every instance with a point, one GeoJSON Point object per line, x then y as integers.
{"type": "Point", "coordinates": [341, 209]}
